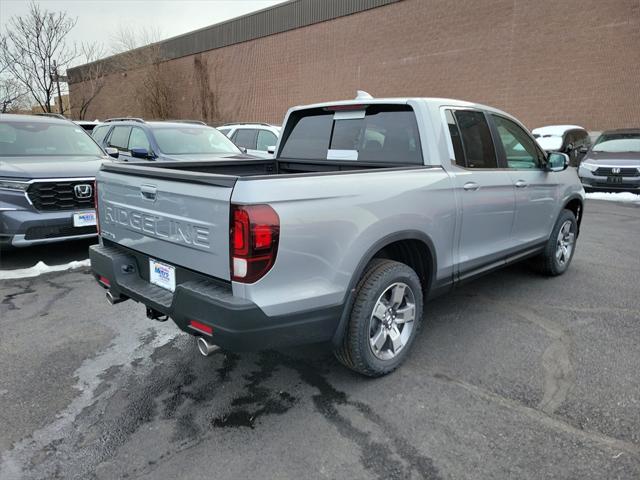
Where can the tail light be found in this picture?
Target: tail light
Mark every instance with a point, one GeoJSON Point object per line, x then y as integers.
{"type": "Point", "coordinates": [95, 204]}
{"type": "Point", "coordinates": [255, 231]}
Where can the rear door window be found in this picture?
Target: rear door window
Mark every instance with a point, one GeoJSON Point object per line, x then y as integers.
{"type": "Point", "coordinates": [120, 137]}
{"type": "Point", "coordinates": [246, 138]}
{"type": "Point", "coordinates": [377, 134]}
{"type": "Point", "coordinates": [479, 151]}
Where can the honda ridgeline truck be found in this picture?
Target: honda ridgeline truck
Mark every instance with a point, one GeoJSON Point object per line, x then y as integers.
{"type": "Point", "coordinates": [369, 208]}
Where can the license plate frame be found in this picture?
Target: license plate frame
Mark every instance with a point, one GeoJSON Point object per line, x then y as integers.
{"type": "Point", "coordinates": [162, 274]}
{"type": "Point", "coordinates": [84, 219]}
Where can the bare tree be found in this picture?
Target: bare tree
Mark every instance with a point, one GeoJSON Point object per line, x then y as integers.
{"type": "Point", "coordinates": [11, 91]}
{"type": "Point", "coordinates": [139, 49]}
{"type": "Point", "coordinates": [35, 51]}
{"type": "Point", "coordinates": [92, 76]}
{"type": "Point", "coordinates": [12, 94]}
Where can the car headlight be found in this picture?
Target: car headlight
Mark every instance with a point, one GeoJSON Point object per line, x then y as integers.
{"type": "Point", "coordinates": [18, 185]}
{"type": "Point", "coordinates": [589, 166]}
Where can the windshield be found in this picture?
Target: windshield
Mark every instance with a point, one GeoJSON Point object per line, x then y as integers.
{"type": "Point", "coordinates": [28, 139]}
{"type": "Point", "coordinates": [193, 141]}
{"type": "Point", "coordinates": [618, 143]}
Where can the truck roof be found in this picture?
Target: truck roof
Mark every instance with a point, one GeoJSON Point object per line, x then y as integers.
{"type": "Point", "coordinates": [435, 102]}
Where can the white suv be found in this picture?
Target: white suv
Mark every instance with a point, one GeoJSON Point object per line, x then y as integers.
{"type": "Point", "coordinates": [256, 138]}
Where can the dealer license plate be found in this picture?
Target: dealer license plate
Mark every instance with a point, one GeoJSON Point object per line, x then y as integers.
{"type": "Point", "coordinates": [162, 274]}
{"type": "Point", "coordinates": [84, 219]}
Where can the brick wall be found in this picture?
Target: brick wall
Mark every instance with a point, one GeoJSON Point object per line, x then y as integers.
{"type": "Point", "coordinates": [546, 61]}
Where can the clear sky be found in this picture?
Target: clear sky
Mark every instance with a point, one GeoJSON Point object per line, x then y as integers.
{"type": "Point", "coordinates": [100, 19]}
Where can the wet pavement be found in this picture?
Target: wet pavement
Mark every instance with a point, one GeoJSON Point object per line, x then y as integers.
{"type": "Point", "coordinates": [513, 376]}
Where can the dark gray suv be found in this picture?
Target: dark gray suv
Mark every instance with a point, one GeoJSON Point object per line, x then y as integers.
{"type": "Point", "coordinates": [47, 170]}
{"type": "Point", "coordinates": [613, 163]}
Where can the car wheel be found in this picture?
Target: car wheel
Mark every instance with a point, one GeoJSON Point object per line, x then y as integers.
{"type": "Point", "coordinates": [5, 244]}
{"type": "Point", "coordinates": [560, 247]}
{"type": "Point", "coordinates": [384, 320]}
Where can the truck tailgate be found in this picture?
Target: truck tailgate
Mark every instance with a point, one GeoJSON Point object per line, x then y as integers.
{"type": "Point", "coordinates": [183, 224]}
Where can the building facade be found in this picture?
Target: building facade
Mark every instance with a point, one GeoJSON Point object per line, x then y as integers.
{"type": "Point", "coordinates": [546, 62]}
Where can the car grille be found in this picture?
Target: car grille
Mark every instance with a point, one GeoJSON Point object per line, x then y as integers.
{"type": "Point", "coordinates": [624, 172]}
{"type": "Point", "coordinates": [39, 233]}
{"type": "Point", "coordinates": [616, 186]}
{"type": "Point", "coordinates": [59, 195]}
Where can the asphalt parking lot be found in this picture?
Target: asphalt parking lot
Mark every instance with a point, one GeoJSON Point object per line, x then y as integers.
{"type": "Point", "coordinates": [514, 376]}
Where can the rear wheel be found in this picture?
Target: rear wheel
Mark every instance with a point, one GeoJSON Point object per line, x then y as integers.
{"type": "Point", "coordinates": [384, 320]}
{"type": "Point", "coordinates": [560, 247]}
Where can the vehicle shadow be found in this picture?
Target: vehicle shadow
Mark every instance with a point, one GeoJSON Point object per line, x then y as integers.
{"type": "Point", "coordinates": [51, 254]}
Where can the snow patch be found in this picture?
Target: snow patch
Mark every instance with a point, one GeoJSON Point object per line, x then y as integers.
{"type": "Point", "coordinates": [40, 268]}
{"type": "Point", "coordinates": [615, 196]}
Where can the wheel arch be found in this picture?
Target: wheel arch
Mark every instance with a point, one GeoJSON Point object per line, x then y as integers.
{"type": "Point", "coordinates": [575, 204]}
{"type": "Point", "coordinates": [412, 247]}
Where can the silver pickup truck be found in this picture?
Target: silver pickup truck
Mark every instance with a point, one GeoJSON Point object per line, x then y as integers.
{"type": "Point", "coordinates": [369, 208]}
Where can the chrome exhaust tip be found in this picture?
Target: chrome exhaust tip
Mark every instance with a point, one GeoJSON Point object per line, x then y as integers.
{"type": "Point", "coordinates": [205, 347]}
{"type": "Point", "coordinates": [112, 299]}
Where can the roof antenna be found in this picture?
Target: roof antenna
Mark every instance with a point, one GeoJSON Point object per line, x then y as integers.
{"type": "Point", "coordinates": [362, 95]}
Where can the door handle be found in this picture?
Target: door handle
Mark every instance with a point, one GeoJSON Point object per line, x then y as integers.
{"type": "Point", "coordinates": [521, 184]}
{"type": "Point", "coordinates": [148, 192]}
{"type": "Point", "coordinates": [471, 186]}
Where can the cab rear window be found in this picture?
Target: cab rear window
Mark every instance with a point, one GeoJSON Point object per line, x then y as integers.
{"type": "Point", "coordinates": [376, 134]}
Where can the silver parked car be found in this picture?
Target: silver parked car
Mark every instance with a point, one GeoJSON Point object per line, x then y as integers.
{"type": "Point", "coordinates": [257, 139]}
{"type": "Point", "coordinates": [370, 207]}
{"type": "Point", "coordinates": [613, 163]}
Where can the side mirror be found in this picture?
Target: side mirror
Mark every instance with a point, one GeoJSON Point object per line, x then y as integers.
{"type": "Point", "coordinates": [112, 152]}
{"type": "Point", "coordinates": [557, 162]}
{"type": "Point", "coordinates": [583, 149]}
{"type": "Point", "coordinates": [140, 153]}
{"type": "Point", "coordinates": [271, 149]}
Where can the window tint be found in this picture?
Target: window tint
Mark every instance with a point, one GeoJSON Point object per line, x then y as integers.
{"type": "Point", "coordinates": [519, 147]}
{"type": "Point", "coordinates": [385, 133]}
{"type": "Point", "coordinates": [138, 139]}
{"type": "Point", "coordinates": [456, 140]}
{"type": "Point", "coordinates": [120, 137]}
{"type": "Point", "coordinates": [246, 138]}
{"type": "Point", "coordinates": [309, 138]}
{"type": "Point", "coordinates": [478, 146]}
{"type": "Point", "coordinates": [100, 132]}
{"type": "Point", "coordinates": [225, 130]}
{"type": "Point", "coordinates": [583, 137]}
{"type": "Point", "coordinates": [265, 139]}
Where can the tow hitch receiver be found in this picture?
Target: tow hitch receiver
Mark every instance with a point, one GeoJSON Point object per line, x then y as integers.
{"type": "Point", "coordinates": [156, 315]}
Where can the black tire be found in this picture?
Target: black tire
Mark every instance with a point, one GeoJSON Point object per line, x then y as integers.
{"type": "Point", "coordinates": [355, 351]}
{"type": "Point", "coordinates": [548, 263]}
{"type": "Point", "coordinates": [5, 244]}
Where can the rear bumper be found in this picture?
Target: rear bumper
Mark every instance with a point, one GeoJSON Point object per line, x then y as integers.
{"type": "Point", "coordinates": [238, 324]}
